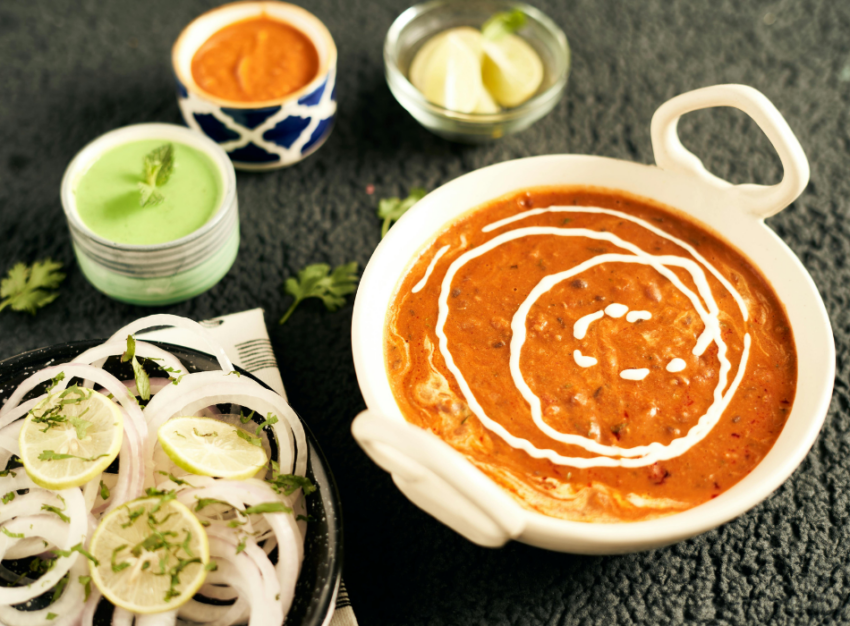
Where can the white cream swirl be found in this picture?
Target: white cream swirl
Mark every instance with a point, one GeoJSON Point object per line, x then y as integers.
{"type": "Point", "coordinates": [703, 302]}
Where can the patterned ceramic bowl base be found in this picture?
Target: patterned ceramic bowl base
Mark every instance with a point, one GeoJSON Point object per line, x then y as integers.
{"type": "Point", "coordinates": [267, 138]}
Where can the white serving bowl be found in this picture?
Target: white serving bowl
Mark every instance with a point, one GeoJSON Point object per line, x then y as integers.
{"type": "Point", "coordinates": [445, 484]}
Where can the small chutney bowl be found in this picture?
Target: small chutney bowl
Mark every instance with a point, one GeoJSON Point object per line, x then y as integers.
{"type": "Point", "coordinates": [259, 135]}
{"type": "Point", "coordinates": [163, 273]}
{"type": "Point", "coordinates": [413, 28]}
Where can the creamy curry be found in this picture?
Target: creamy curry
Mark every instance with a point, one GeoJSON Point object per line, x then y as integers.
{"type": "Point", "coordinates": [600, 357]}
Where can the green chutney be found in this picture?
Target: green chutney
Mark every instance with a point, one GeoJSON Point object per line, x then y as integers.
{"type": "Point", "coordinates": [108, 197]}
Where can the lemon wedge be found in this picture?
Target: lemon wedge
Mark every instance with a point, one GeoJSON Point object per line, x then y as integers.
{"type": "Point", "coordinates": [511, 70]}
{"type": "Point", "coordinates": [151, 555]}
{"type": "Point", "coordinates": [447, 69]}
{"type": "Point", "coordinates": [209, 447]}
{"type": "Point", "coordinates": [70, 437]}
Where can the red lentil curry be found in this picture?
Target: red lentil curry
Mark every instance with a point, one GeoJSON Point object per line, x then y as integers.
{"type": "Point", "coordinates": [637, 415]}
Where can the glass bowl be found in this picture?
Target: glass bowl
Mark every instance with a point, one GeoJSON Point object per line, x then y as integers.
{"type": "Point", "coordinates": [420, 22]}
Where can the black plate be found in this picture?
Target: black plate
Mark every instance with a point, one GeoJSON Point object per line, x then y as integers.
{"type": "Point", "coordinates": [322, 567]}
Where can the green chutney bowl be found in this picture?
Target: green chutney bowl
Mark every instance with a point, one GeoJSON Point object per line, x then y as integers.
{"type": "Point", "coordinates": [161, 273]}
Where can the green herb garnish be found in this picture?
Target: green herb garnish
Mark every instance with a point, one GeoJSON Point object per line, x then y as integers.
{"type": "Point", "coordinates": [10, 534]}
{"type": "Point", "coordinates": [104, 491]}
{"type": "Point", "coordinates": [30, 288]}
{"type": "Point", "coordinates": [254, 441]}
{"type": "Point", "coordinates": [50, 455]}
{"type": "Point", "coordinates": [391, 209]}
{"type": "Point", "coordinates": [159, 164]}
{"type": "Point", "coordinates": [502, 24]}
{"type": "Point", "coordinates": [143, 383]}
{"type": "Point", "coordinates": [268, 507]}
{"type": "Point", "coordinates": [86, 582]}
{"type": "Point", "coordinates": [8, 497]}
{"type": "Point", "coordinates": [317, 281]}
{"type": "Point", "coordinates": [77, 548]}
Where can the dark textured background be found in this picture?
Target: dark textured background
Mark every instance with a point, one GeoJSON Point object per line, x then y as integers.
{"type": "Point", "coordinates": [72, 70]}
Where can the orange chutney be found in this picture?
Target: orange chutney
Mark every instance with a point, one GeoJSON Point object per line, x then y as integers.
{"type": "Point", "coordinates": [255, 60]}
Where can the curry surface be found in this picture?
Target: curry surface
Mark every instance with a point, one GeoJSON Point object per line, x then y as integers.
{"type": "Point", "coordinates": [593, 402]}
{"type": "Point", "coordinates": [255, 60]}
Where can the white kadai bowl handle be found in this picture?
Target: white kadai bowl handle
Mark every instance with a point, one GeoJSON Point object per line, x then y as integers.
{"type": "Point", "coordinates": [439, 480]}
{"type": "Point", "coordinates": [759, 200]}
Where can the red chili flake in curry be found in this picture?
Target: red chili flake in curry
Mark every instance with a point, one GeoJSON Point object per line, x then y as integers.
{"type": "Point", "coordinates": [593, 402]}
{"type": "Point", "coordinates": [255, 60]}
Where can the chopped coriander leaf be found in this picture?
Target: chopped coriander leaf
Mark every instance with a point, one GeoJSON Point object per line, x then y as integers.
{"type": "Point", "coordinates": [270, 420]}
{"type": "Point", "coordinates": [174, 479]}
{"type": "Point", "coordinates": [104, 491]}
{"type": "Point", "coordinates": [391, 209]}
{"type": "Point", "coordinates": [237, 374]}
{"type": "Point", "coordinates": [81, 426]}
{"type": "Point", "coordinates": [143, 383]}
{"type": "Point", "coordinates": [132, 516]}
{"type": "Point", "coordinates": [50, 455]}
{"type": "Point", "coordinates": [212, 566]}
{"type": "Point", "coordinates": [242, 545]}
{"type": "Point", "coordinates": [268, 507]}
{"type": "Point", "coordinates": [117, 567]}
{"type": "Point", "coordinates": [246, 418]}
{"type": "Point", "coordinates": [9, 497]}
{"type": "Point", "coordinates": [289, 483]}
{"type": "Point", "coordinates": [86, 582]}
{"type": "Point", "coordinates": [317, 281]}
{"type": "Point", "coordinates": [51, 616]}
{"type": "Point", "coordinates": [254, 441]}
{"type": "Point", "coordinates": [10, 534]}
{"type": "Point", "coordinates": [52, 509]}
{"type": "Point", "coordinates": [55, 381]}
{"type": "Point", "coordinates": [205, 502]}
{"type": "Point", "coordinates": [77, 548]}
{"type": "Point", "coordinates": [57, 591]}
{"type": "Point", "coordinates": [31, 288]}
{"type": "Point", "coordinates": [305, 518]}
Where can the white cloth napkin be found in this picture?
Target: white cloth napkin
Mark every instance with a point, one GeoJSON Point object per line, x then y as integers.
{"type": "Point", "coordinates": [246, 341]}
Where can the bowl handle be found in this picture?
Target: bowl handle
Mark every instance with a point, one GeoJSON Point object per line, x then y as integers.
{"type": "Point", "coordinates": [760, 200]}
{"type": "Point", "coordinates": [439, 480]}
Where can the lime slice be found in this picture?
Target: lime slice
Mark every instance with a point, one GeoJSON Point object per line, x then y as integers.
{"type": "Point", "coordinates": [209, 447]}
{"type": "Point", "coordinates": [512, 71]}
{"type": "Point", "coordinates": [70, 437]}
{"type": "Point", "coordinates": [447, 69]}
{"type": "Point", "coordinates": [151, 555]}
{"type": "Point", "coordinates": [486, 104]}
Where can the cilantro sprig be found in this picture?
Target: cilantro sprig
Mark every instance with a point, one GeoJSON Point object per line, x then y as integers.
{"type": "Point", "coordinates": [391, 209]}
{"type": "Point", "coordinates": [502, 24]}
{"type": "Point", "coordinates": [159, 163]}
{"type": "Point", "coordinates": [317, 281]}
{"type": "Point", "coordinates": [28, 288]}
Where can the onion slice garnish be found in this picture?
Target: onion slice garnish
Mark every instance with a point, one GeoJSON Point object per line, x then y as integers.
{"type": "Point", "coordinates": [175, 321]}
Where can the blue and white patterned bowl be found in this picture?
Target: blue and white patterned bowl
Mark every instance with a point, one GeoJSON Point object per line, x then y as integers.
{"type": "Point", "coordinates": [259, 135]}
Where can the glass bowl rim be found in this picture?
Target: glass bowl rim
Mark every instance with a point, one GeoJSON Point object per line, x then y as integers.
{"type": "Point", "coordinates": [396, 77]}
